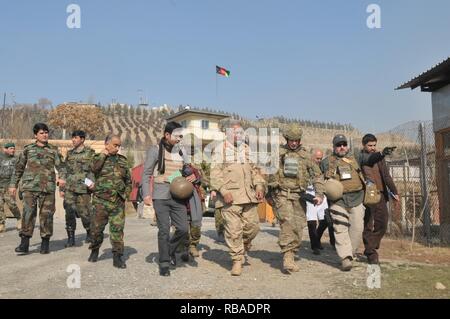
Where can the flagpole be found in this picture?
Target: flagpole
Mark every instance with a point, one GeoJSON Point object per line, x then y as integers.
{"type": "Point", "coordinates": [217, 89]}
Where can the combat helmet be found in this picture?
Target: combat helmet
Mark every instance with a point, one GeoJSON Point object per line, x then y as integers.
{"type": "Point", "coordinates": [293, 132]}
{"type": "Point", "coordinates": [180, 188]}
{"type": "Point", "coordinates": [334, 189]}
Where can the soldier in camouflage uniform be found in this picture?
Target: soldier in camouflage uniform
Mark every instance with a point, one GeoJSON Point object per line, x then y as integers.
{"type": "Point", "coordinates": [7, 167]}
{"type": "Point", "coordinates": [76, 193]}
{"type": "Point", "coordinates": [36, 167]}
{"type": "Point", "coordinates": [111, 190]}
{"type": "Point", "coordinates": [296, 171]}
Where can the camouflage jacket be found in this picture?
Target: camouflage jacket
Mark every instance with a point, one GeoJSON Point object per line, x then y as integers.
{"type": "Point", "coordinates": [36, 167]}
{"type": "Point", "coordinates": [112, 177]}
{"type": "Point", "coordinates": [7, 168]}
{"type": "Point", "coordinates": [78, 167]}
{"type": "Point", "coordinates": [296, 172]}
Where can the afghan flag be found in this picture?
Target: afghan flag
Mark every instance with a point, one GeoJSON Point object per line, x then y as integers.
{"type": "Point", "coordinates": [222, 71]}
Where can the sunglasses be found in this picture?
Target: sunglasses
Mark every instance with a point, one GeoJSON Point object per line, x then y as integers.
{"type": "Point", "coordinates": [341, 145]}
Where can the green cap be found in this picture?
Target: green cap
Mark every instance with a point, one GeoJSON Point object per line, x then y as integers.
{"type": "Point", "coordinates": [10, 144]}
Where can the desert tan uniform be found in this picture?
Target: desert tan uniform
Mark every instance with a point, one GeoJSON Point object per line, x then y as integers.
{"type": "Point", "coordinates": [232, 173]}
{"type": "Point", "coordinates": [348, 212]}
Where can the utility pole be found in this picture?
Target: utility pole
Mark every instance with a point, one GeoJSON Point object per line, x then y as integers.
{"type": "Point", "coordinates": [3, 115]}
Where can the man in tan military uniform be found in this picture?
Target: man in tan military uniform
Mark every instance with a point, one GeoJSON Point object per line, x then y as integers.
{"type": "Point", "coordinates": [239, 186]}
{"type": "Point", "coordinates": [295, 172]}
{"type": "Point", "coordinates": [347, 212]}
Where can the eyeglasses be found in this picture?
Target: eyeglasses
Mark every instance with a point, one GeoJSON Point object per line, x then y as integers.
{"type": "Point", "coordinates": [341, 145]}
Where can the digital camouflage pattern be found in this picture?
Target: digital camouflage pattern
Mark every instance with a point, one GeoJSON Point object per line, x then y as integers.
{"type": "Point", "coordinates": [78, 167]}
{"type": "Point", "coordinates": [286, 186]}
{"type": "Point", "coordinates": [308, 172]}
{"type": "Point", "coordinates": [7, 168]}
{"type": "Point", "coordinates": [112, 188]}
{"type": "Point", "coordinates": [5, 198]}
{"type": "Point", "coordinates": [195, 233]}
{"type": "Point", "coordinates": [36, 167]}
{"type": "Point", "coordinates": [218, 220]}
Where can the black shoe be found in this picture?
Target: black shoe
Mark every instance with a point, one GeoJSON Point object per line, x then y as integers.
{"type": "Point", "coordinates": [173, 261]}
{"type": "Point", "coordinates": [88, 239]}
{"type": "Point", "coordinates": [24, 245]}
{"type": "Point", "coordinates": [94, 256]}
{"type": "Point", "coordinates": [118, 262]}
{"type": "Point", "coordinates": [45, 246]}
{"type": "Point", "coordinates": [320, 246]}
{"type": "Point", "coordinates": [316, 251]}
{"type": "Point", "coordinates": [70, 238]}
{"type": "Point", "coordinates": [185, 257]}
{"type": "Point", "coordinates": [373, 259]}
{"type": "Point", "coordinates": [164, 271]}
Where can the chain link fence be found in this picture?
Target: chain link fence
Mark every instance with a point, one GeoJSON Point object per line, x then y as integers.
{"type": "Point", "coordinates": [413, 167]}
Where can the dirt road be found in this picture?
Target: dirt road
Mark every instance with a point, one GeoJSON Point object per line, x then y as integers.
{"type": "Point", "coordinates": [46, 276]}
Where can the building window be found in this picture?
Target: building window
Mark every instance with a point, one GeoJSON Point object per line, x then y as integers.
{"type": "Point", "coordinates": [183, 123]}
{"type": "Point", "coordinates": [205, 124]}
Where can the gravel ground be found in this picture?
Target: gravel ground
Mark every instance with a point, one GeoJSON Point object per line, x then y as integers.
{"type": "Point", "coordinates": [46, 276]}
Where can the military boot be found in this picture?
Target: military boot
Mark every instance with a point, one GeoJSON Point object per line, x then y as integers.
{"type": "Point", "coordinates": [88, 239]}
{"type": "Point", "coordinates": [193, 251]}
{"type": "Point", "coordinates": [70, 238]}
{"type": "Point", "coordinates": [236, 270]}
{"type": "Point", "coordinates": [346, 264]}
{"type": "Point", "coordinates": [2, 228]}
{"type": "Point", "coordinates": [24, 244]}
{"type": "Point", "coordinates": [289, 263]}
{"type": "Point", "coordinates": [93, 257]}
{"type": "Point", "coordinates": [118, 262]}
{"type": "Point", "coordinates": [164, 271]}
{"type": "Point", "coordinates": [45, 246]}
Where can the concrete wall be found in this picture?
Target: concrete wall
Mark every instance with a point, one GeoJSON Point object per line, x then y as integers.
{"type": "Point", "coordinates": [441, 108]}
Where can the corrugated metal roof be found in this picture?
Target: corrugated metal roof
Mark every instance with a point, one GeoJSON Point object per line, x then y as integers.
{"type": "Point", "coordinates": [431, 80]}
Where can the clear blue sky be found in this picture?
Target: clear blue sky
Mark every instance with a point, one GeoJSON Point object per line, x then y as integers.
{"type": "Point", "coordinates": [315, 60]}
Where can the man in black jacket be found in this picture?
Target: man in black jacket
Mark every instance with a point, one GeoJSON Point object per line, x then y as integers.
{"type": "Point", "coordinates": [375, 169]}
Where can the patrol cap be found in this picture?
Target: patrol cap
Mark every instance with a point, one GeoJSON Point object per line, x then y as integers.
{"type": "Point", "coordinates": [9, 144]}
{"type": "Point", "coordinates": [339, 139]}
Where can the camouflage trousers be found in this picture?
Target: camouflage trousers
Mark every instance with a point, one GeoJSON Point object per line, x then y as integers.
{"type": "Point", "coordinates": [5, 198]}
{"type": "Point", "coordinates": [220, 227]}
{"type": "Point", "coordinates": [46, 204]}
{"type": "Point", "coordinates": [77, 206]}
{"type": "Point", "coordinates": [105, 212]}
{"type": "Point", "coordinates": [241, 227]}
{"type": "Point", "coordinates": [195, 233]}
{"type": "Point", "coordinates": [292, 218]}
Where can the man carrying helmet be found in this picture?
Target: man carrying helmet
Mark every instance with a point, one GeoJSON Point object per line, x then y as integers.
{"type": "Point", "coordinates": [295, 172]}
{"type": "Point", "coordinates": [346, 204]}
{"type": "Point", "coordinates": [163, 164]}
